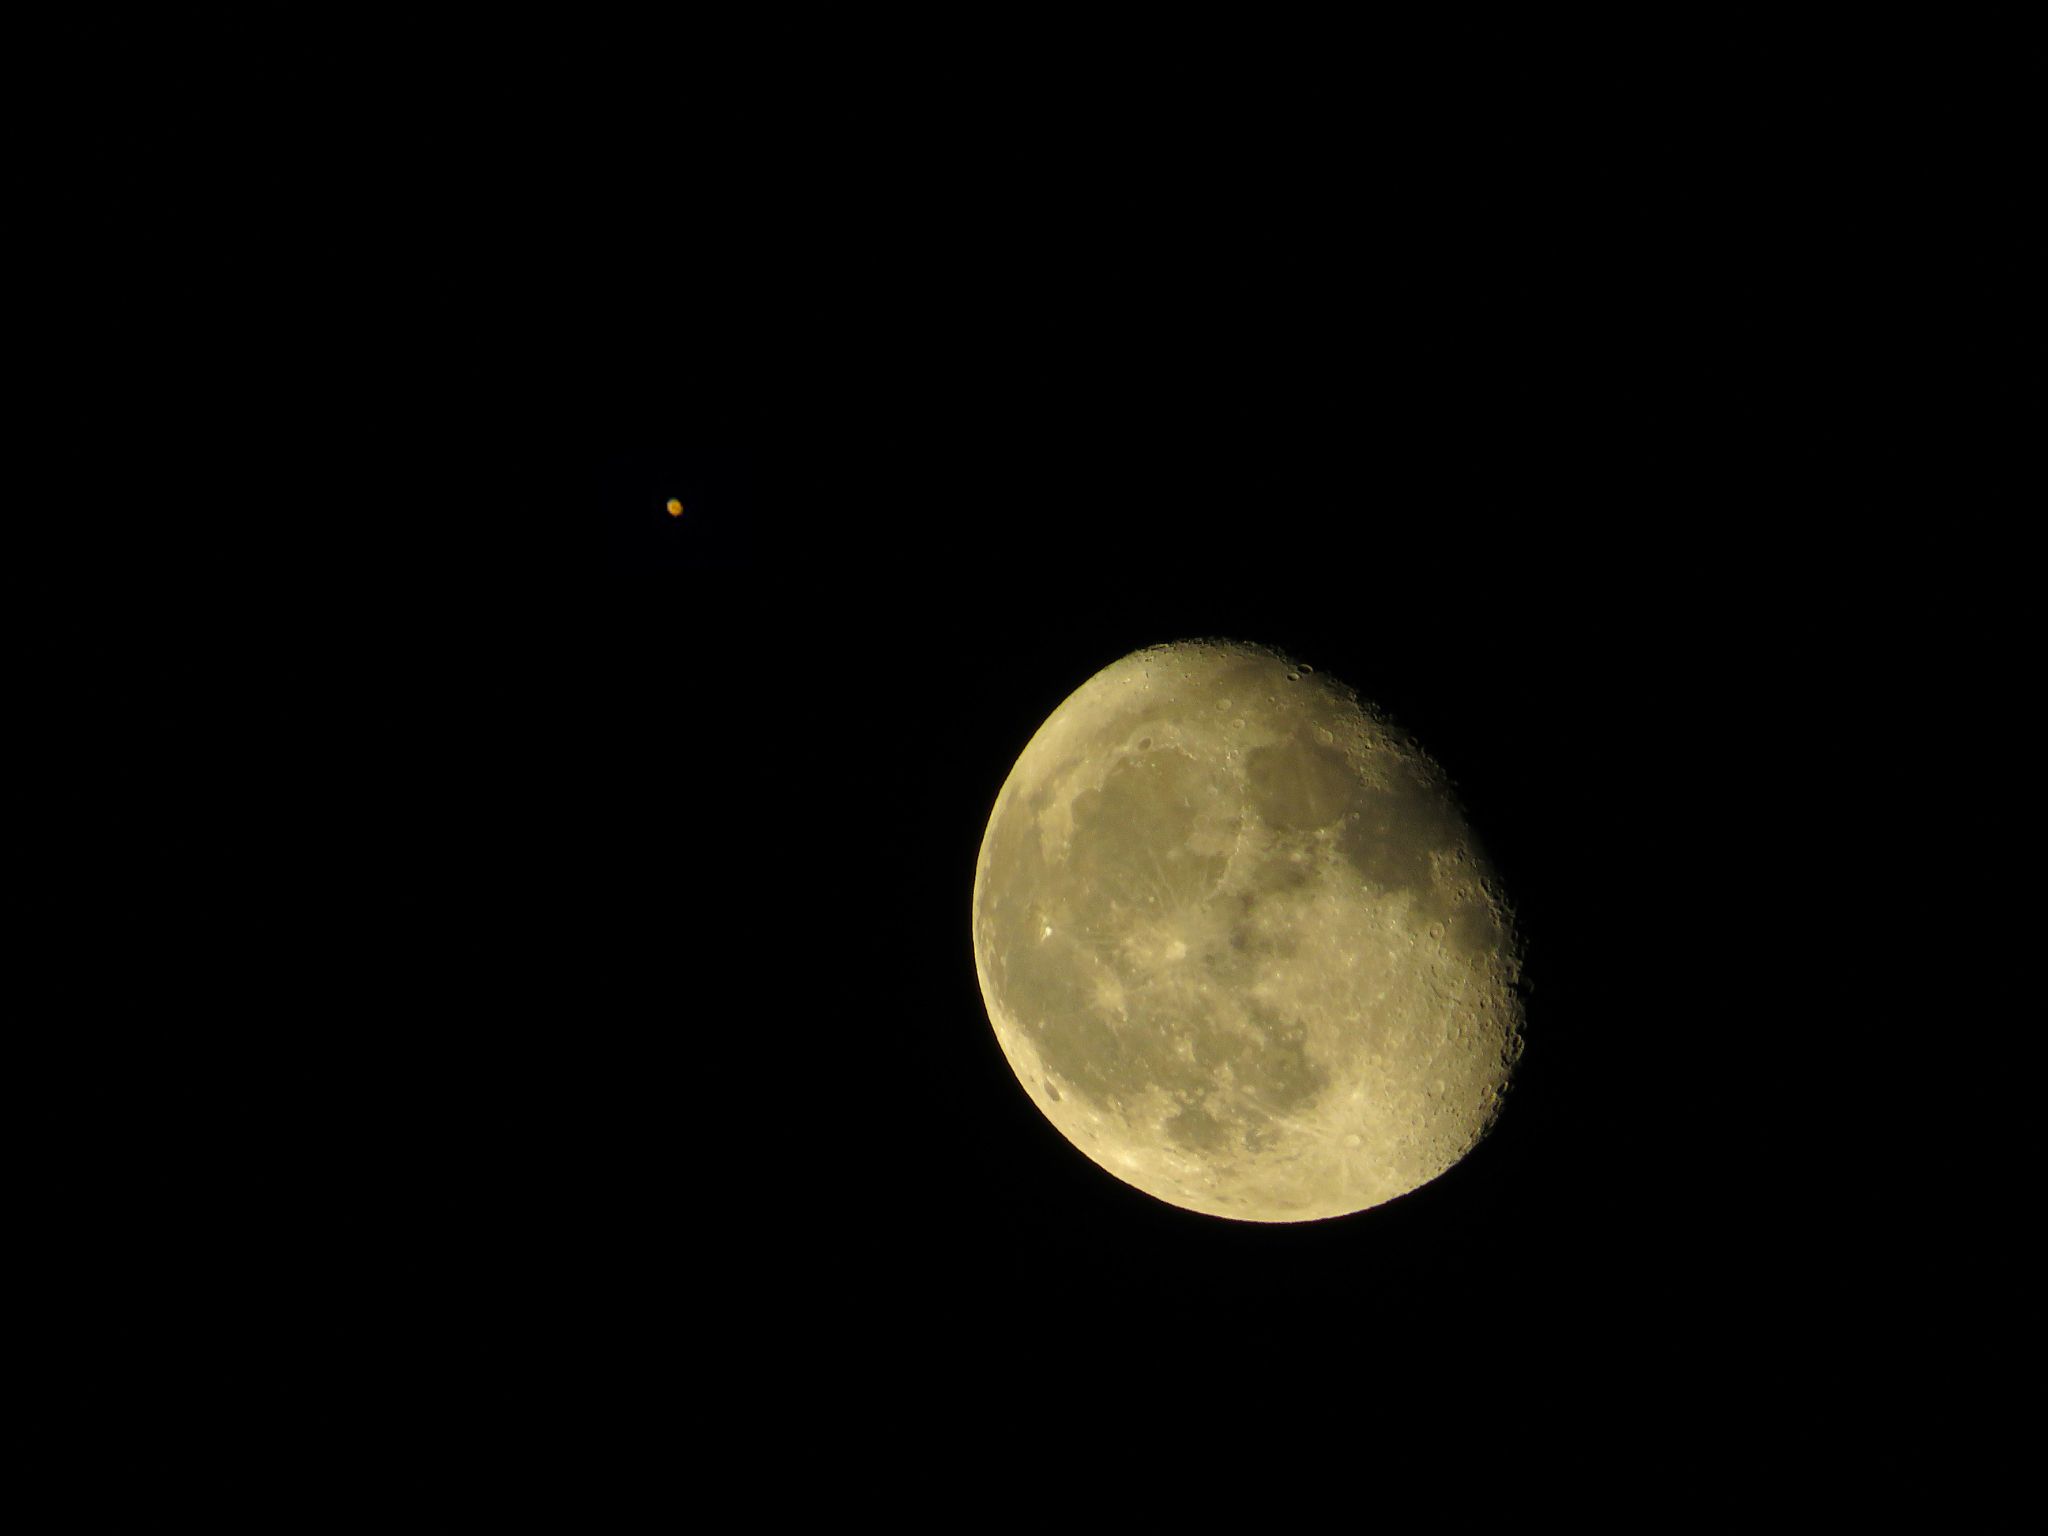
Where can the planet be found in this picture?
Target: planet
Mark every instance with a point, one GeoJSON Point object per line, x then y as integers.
{"type": "Point", "coordinates": [1239, 941]}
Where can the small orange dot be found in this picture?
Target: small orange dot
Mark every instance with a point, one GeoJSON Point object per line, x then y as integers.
{"type": "Point", "coordinates": [675, 508]}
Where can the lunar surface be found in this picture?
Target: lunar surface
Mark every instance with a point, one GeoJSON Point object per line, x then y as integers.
{"type": "Point", "coordinates": [1238, 942]}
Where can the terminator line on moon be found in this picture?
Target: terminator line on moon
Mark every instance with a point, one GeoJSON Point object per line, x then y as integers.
{"type": "Point", "coordinates": [1239, 943]}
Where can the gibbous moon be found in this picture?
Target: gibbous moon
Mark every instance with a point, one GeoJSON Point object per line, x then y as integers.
{"type": "Point", "coordinates": [1238, 942]}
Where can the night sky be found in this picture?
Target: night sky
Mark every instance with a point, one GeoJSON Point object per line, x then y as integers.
{"type": "Point", "coordinates": [553, 915]}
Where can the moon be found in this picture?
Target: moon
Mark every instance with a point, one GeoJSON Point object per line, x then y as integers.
{"type": "Point", "coordinates": [1239, 942]}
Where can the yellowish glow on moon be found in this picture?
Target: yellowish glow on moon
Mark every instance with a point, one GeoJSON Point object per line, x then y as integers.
{"type": "Point", "coordinates": [1238, 942]}
{"type": "Point", "coordinates": [675, 508]}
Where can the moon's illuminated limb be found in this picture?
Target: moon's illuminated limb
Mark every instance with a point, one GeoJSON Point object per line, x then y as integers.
{"type": "Point", "coordinates": [1238, 942]}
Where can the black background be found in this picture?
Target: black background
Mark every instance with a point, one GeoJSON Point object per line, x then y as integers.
{"type": "Point", "coordinates": [552, 916]}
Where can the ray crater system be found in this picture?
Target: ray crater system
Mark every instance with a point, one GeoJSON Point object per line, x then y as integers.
{"type": "Point", "coordinates": [1239, 942]}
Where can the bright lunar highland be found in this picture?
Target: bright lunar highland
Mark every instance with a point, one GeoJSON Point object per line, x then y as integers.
{"type": "Point", "coordinates": [1238, 942]}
